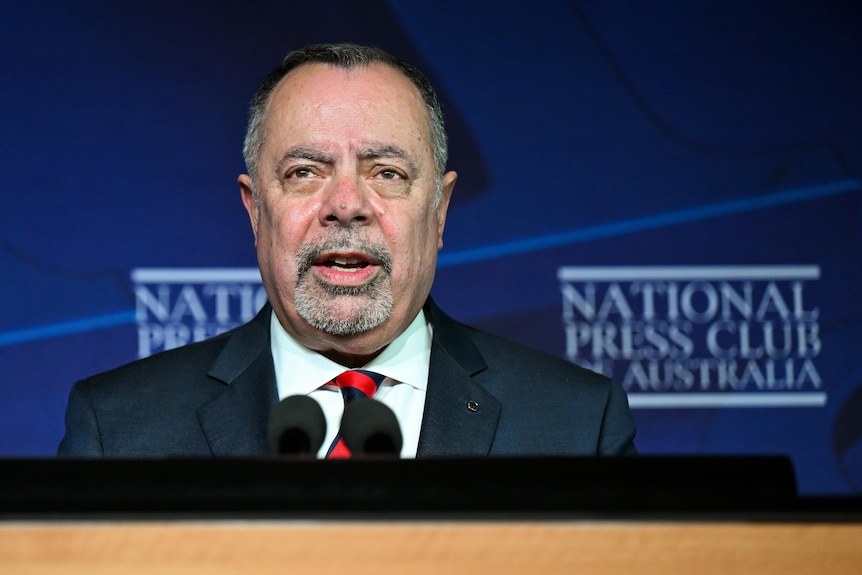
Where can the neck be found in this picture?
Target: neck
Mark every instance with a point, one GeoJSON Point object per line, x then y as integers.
{"type": "Point", "coordinates": [348, 360]}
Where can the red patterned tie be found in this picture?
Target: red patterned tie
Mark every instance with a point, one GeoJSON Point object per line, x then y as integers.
{"type": "Point", "coordinates": [354, 385]}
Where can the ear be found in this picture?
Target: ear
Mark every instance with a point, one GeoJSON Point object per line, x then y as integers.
{"type": "Point", "coordinates": [448, 185]}
{"type": "Point", "coordinates": [248, 201]}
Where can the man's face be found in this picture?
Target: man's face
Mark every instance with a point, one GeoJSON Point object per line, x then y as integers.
{"type": "Point", "coordinates": [346, 227]}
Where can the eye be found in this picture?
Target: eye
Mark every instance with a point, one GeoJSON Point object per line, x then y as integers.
{"type": "Point", "coordinates": [389, 174]}
{"type": "Point", "coordinates": [299, 172]}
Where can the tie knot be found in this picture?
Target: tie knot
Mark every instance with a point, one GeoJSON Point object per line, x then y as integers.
{"type": "Point", "coordinates": [358, 383]}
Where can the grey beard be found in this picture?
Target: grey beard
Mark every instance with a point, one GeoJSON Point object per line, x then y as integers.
{"type": "Point", "coordinates": [315, 300]}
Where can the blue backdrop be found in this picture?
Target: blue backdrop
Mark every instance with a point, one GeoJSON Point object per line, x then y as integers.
{"type": "Point", "coordinates": [666, 191]}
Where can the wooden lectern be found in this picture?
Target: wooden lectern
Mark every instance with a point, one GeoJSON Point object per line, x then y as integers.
{"type": "Point", "coordinates": [501, 516]}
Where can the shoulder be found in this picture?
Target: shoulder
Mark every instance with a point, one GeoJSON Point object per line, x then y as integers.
{"type": "Point", "coordinates": [548, 404]}
{"type": "Point", "coordinates": [150, 406]}
{"type": "Point", "coordinates": [510, 363]}
{"type": "Point", "coordinates": [188, 363]}
{"type": "Point", "coordinates": [484, 351]}
{"type": "Point", "coordinates": [176, 380]}
{"type": "Point", "coordinates": [162, 368]}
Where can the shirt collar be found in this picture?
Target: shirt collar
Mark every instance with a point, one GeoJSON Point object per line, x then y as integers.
{"type": "Point", "coordinates": [299, 370]}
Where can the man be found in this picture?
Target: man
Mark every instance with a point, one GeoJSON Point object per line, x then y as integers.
{"type": "Point", "coordinates": [347, 196]}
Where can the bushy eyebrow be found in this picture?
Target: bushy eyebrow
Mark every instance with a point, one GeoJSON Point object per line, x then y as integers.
{"type": "Point", "coordinates": [388, 151]}
{"type": "Point", "coordinates": [303, 153]}
{"type": "Point", "coordinates": [368, 153]}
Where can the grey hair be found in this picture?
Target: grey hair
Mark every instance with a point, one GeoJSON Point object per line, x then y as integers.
{"type": "Point", "coordinates": [347, 56]}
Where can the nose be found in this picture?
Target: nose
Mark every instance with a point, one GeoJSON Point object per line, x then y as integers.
{"type": "Point", "coordinates": [346, 203]}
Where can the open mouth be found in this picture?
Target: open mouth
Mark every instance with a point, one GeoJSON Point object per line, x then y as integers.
{"type": "Point", "coordinates": [348, 263]}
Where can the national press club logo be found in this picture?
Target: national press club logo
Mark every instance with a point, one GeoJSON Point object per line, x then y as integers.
{"type": "Point", "coordinates": [698, 336]}
{"type": "Point", "coordinates": [178, 306]}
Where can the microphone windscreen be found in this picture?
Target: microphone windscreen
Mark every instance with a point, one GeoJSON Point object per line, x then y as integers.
{"type": "Point", "coordinates": [369, 427]}
{"type": "Point", "coordinates": [297, 426]}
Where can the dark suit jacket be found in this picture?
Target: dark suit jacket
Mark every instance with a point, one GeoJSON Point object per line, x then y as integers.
{"type": "Point", "coordinates": [213, 398]}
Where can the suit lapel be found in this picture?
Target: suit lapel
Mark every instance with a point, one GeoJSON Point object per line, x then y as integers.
{"type": "Point", "coordinates": [460, 415]}
{"type": "Point", "coordinates": [235, 421]}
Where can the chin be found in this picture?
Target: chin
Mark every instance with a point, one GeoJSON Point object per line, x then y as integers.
{"type": "Point", "coordinates": [346, 315]}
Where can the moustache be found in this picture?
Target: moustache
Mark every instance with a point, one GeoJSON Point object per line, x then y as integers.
{"type": "Point", "coordinates": [342, 240]}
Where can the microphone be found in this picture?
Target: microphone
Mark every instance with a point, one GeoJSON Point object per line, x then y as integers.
{"type": "Point", "coordinates": [369, 427]}
{"type": "Point", "coordinates": [297, 426]}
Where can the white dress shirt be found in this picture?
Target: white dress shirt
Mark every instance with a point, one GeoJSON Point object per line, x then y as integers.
{"type": "Point", "coordinates": [405, 363]}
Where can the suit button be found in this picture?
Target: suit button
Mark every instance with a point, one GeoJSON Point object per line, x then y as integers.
{"type": "Point", "coordinates": [473, 406]}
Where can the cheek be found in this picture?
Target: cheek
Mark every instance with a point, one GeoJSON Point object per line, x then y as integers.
{"type": "Point", "coordinates": [417, 247]}
{"type": "Point", "coordinates": [285, 224]}
{"type": "Point", "coordinates": [275, 243]}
